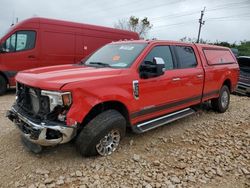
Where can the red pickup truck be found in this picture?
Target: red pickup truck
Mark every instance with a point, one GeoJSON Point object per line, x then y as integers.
{"type": "Point", "coordinates": [137, 84]}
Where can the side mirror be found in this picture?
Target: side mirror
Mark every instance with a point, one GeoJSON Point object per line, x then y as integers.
{"type": "Point", "coordinates": [150, 69]}
{"type": "Point", "coordinates": [160, 65]}
{"type": "Point", "coordinates": [2, 49]}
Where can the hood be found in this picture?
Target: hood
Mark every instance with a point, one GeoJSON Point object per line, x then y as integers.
{"type": "Point", "coordinates": [55, 77]}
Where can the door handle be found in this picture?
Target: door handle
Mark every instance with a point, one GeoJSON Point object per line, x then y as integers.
{"type": "Point", "coordinates": [199, 76]}
{"type": "Point", "coordinates": [31, 56]}
{"type": "Point", "coordinates": [176, 79]}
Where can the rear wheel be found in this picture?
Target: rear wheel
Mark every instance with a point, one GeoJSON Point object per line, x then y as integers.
{"type": "Point", "coordinates": [221, 103]}
{"type": "Point", "coordinates": [3, 85]}
{"type": "Point", "coordinates": [102, 135]}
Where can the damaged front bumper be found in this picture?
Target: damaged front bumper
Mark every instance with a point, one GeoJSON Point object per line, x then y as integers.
{"type": "Point", "coordinates": [45, 133]}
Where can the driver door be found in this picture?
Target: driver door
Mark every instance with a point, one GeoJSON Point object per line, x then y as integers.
{"type": "Point", "coordinates": [157, 93]}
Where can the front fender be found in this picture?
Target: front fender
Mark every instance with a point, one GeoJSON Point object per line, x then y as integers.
{"type": "Point", "coordinates": [85, 100]}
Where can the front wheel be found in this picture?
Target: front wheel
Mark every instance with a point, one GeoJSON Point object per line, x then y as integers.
{"type": "Point", "coordinates": [102, 135]}
{"type": "Point", "coordinates": [221, 103]}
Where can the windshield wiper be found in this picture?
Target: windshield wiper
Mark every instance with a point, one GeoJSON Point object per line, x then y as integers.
{"type": "Point", "coordinates": [99, 63]}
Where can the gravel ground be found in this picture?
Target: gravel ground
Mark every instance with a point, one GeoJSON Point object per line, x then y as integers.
{"type": "Point", "coordinates": [204, 150]}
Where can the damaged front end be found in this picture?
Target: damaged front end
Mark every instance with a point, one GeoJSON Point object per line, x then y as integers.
{"type": "Point", "coordinates": [41, 115]}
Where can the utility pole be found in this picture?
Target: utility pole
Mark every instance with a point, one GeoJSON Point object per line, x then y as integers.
{"type": "Point", "coordinates": [201, 24]}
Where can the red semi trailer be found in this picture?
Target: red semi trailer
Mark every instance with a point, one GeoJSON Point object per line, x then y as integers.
{"type": "Point", "coordinates": [38, 42]}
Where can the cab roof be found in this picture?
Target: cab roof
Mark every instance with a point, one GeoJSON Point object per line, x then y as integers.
{"type": "Point", "coordinates": [170, 42]}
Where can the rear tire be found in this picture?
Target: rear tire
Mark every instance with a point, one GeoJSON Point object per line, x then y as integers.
{"type": "Point", "coordinates": [102, 134]}
{"type": "Point", "coordinates": [3, 85]}
{"type": "Point", "coordinates": [221, 103]}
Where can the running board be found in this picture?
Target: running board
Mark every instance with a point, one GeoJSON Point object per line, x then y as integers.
{"type": "Point", "coordinates": [157, 122]}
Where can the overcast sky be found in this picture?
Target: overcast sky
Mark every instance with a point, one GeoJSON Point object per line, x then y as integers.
{"type": "Point", "coordinates": [225, 20]}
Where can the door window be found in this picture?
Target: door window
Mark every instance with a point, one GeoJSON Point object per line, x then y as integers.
{"type": "Point", "coordinates": [164, 53]}
{"type": "Point", "coordinates": [186, 56]}
{"type": "Point", "coordinates": [20, 41]}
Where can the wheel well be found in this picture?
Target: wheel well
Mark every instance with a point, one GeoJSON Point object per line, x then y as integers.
{"type": "Point", "coordinates": [227, 83]}
{"type": "Point", "coordinates": [101, 107]}
{"type": "Point", "coordinates": [4, 76]}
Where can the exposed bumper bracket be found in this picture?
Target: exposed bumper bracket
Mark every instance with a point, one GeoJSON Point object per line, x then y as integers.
{"type": "Point", "coordinates": [43, 133]}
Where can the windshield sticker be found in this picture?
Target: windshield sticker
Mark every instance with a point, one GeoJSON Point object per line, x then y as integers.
{"type": "Point", "coordinates": [126, 48]}
{"type": "Point", "coordinates": [116, 58]}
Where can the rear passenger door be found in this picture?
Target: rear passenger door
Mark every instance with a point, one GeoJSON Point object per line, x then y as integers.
{"type": "Point", "coordinates": [190, 75]}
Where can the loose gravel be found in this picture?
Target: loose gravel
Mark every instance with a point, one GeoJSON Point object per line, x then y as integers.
{"type": "Point", "coordinates": [207, 149]}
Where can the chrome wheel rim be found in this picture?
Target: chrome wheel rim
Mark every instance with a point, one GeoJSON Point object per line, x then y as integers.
{"type": "Point", "coordinates": [109, 143]}
{"type": "Point", "coordinates": [224, 99]}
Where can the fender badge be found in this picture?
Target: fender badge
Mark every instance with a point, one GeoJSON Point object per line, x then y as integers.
{"type": "Point", "coordinates": [136, 89]}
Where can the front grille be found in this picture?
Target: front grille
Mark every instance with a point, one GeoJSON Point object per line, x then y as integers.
{"type": "Point", "coordinates": [244, 78]}
{"type": "Point", "coordinates": [245, 74]}
{"type": "Point", "coordinates": [30, 100]}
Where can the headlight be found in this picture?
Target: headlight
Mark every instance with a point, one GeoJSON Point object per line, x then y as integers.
{"type": "Point", "coordinates": [57, 98]}
{"type": "Point", "coordinates": [66, 98]}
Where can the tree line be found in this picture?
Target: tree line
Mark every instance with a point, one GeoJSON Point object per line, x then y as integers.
{"type": "Point", "coordinates": [243, 47]}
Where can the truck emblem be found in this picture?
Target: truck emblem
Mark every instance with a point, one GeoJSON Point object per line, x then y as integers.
{"type": "Point", "coordinates": [136, 89]}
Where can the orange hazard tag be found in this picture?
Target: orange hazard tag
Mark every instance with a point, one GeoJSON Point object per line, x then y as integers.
{"type": "Point", "coordinates": [116, 58]}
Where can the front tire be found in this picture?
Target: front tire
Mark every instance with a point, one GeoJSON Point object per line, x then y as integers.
{"type": "Point", "coordinates": [102, 134]}
{"type": "Point", "coordinates": [3, 85]}
{"type": "Point", "coordinates": [221, 103]}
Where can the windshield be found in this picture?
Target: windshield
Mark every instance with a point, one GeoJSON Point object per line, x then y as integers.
{"type": "Point", "coordinates": [115, 55]}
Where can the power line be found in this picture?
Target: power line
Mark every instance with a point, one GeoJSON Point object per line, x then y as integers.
{"type": "Point", "coordinates": [175, 15]}
{"type": "Point", "coordinates": [237, 15]}
{"type": "Point", "coordinates": [189, 13]}
{"type": "Point", "coordinates": [144, 9]}
{"type": "Point", "coordinates": [157, 6]}
{"type": "Point", "coordinates": [233, 5]}
{"type": "Point", "coordinates": [208, 19]}
{"type": "Point", "coordinates": [228, 5]}
{"type": "Point", "coordinates": [175, 24]}
{"type": "Point", "coordinates": [186, 22]}
{"type": "Point", "coordinates": [231, 20]}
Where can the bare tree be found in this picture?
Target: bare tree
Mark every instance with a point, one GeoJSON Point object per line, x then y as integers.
{"type": "Point", "coordinates": [141, 26]}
